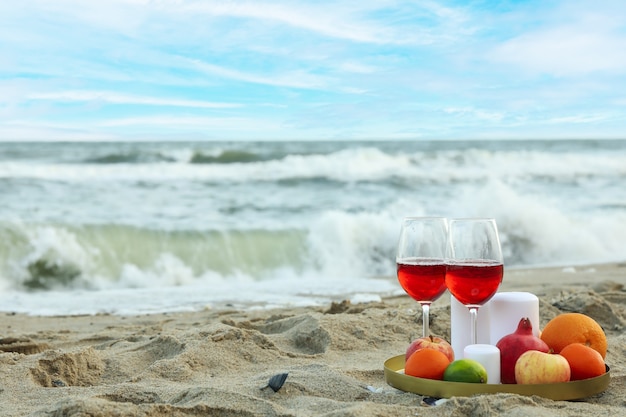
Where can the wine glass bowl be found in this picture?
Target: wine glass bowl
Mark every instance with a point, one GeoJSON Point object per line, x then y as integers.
{"type": "Point", "coordinates": [473, 284]}
{"type": "Point", "coordinates": [421, 261]}
{"type": "Point", "coordinates": [474, 264]}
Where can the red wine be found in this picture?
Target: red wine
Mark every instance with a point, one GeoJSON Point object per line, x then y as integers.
{"type": "Point", "coordinates": [474, 282]}
{"type": "Point", "coordinates": [422, 278]}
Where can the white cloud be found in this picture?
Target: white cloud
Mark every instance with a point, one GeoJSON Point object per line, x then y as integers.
{"type": "Point", "coordinates": [356, 67]}
{"type": "Point", "coordinates": [480, 114]}
{"type": "Point", "coordinates": [333, 19]}
{"type": "Point", "coordinates": [573, 39]}
{"type": "Point", "coordinates": [565, 51]}
{"type": "Point", "coordinates": [118, 98]}
{"type": "Point", "coordinates": [186, 123]}
{"type": "Point", "coordinates": [141, 128]}
{"type": "Point", "coordinates": [328, 19]}
{"type": "Point", "coordinates": [42, 131]}
{"type": "Point", "coordinates": [296, 79]}
{"type": "Point", "coordinates": [579, 119]}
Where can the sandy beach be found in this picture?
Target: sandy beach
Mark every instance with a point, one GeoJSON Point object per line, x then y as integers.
{"type": "Point", "coordinates": [218, 361]}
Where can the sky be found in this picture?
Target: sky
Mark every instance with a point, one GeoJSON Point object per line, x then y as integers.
{"type": "Point", "coordinates": [136, 70]}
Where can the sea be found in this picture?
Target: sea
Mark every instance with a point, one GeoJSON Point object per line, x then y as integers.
{"type": "Point", "coordinates": [148, 227]}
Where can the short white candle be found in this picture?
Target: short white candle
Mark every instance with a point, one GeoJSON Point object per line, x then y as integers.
{"type": "Point", "coordinates": [460, 326]}
{"type": "Point", "coordinates": [488, 356]}
{"type": "Point", "coordinates": [507, 309]}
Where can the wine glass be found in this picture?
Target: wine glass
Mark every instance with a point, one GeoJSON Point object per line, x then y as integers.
{"type": "Point", "coordinates": [421, 261]}
{"type": "Point", "coordinates": [475, 264]}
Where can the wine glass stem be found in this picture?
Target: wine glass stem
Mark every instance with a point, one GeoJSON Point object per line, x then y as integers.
{"type": "Point", "coordinates": [426, 319]}
{"type": "Point", "coordinates": [473, 319]}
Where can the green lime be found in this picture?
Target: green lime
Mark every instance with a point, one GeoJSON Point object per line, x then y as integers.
{"type": "Point", "coordinates": [466, 370]}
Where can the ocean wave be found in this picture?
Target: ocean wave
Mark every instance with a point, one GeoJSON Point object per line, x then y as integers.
{"type": "Point", "coordinates": [131, 157]}
{"type": "Point", "coordinates": [334, 243]}
{"type": "Point", "coordinates": [49, 256]}
{"type": "Point", "coordinates": [226, 157]}
{"type": "Point", "coordinates": [57, 256]}
{"type": "Point", "coordinates": [540, 230]}
{"type": "Point", "coordinates": [348, 164]}
{"type": "Point", "coordinates": [289, 211]}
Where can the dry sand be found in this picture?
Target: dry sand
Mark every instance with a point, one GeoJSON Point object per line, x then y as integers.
{"type": "Point", "coordinates": [217, 362]}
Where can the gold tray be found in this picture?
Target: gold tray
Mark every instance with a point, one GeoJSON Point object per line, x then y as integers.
{"type": "Point", "coordinates": [394, 376]}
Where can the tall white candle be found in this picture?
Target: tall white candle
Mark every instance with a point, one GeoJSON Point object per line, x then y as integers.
{"type": "Point", "coordinates": [460, 326]}
{"type": "Point", "coordinates": [507, 309]}
{"type": "Point", "coordinates": [488, 356]}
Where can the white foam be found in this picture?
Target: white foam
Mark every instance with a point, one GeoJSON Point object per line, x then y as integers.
{"type": "Point", "coordinates": [306, 291]}
{"type": "Point", "coordinates": [540, 230]}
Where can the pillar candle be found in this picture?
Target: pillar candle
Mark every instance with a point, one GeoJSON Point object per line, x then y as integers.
{"type": "Point", "coordinates": [488, 356]}
{"type": "Point", "coordinates": [507, 309]}
{"type": "Point", "coordinates": [460, 326]}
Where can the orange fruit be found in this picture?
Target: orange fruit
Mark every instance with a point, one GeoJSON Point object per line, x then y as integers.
{"type": "Point", "coordinates": [584, 361]}
{"type": "Point", "coordinates": [568, 328]}
{"type": "Point", "coordinates": [427, 363]}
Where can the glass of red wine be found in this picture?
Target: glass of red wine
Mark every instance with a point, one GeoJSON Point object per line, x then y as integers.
{"type": "Point", "coordinates": [475, 265]}
{"type": "Point", "coordinates": [421, 261]}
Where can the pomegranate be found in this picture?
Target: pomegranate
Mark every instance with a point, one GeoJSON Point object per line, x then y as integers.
{"type": "Point", "coordinates": [513, 345]}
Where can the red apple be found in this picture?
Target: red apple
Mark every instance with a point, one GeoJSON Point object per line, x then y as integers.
{"type": "Point", "coordinates": [430, 342]}
{"type": "Point", "coordinates": [534, 367]}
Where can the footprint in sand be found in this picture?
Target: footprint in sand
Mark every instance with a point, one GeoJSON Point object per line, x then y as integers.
{"type": "Point", "coordinates": [593, 305]}
{"type": "Point", "coordinates": [22, 345]}
{"type": "Point", "coordinates": [303, 333]}
{"type": "Point", "coordinates": [82, 369]}
{"type": "Point", "coordinates": [131, 358]}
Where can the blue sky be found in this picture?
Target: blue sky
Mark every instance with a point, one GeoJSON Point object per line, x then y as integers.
{"type": "Point", "coordinates": [256, 70]}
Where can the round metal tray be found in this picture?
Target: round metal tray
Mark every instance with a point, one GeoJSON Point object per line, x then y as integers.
{"type": "Point", "coordinates": [394, 376]}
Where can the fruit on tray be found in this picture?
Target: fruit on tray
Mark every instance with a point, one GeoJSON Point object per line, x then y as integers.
{"type": "Point", "coordinates": [584, 361]}
{"type": "Point", "coordinates": [512, 346]}
{"type": "Point", "coordinates": [534, 367]}
{"type": "Point", "coordinates": [571, 347]}
{"type": "Point", "coordinates": [427, 363]}
{"type": "Point", "coordinates": [430, 342]}
{"type": "Point", "coordinates": [466, 370]}
{"type": "Point", "coordinates": [568, 328]}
